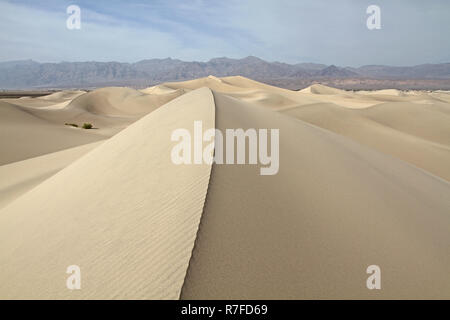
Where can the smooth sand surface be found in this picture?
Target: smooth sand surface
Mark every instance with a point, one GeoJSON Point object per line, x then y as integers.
{"type": "Point", "coordinates": [334, 208]}
{"type": "Point", "coordinates": [121, 101]}
{"type": "Point", "coordinates": [124, 213]}
{"type": "Point", "coordinates": [418, 134]}
{"type": "Point", "coordinates": [412, 126]}
{"type": "Point", "coordinates": [24, 135]}
{"type": "Point", "coordinates": [363, 179]}
{"type": "Point", "coordinates": [32, 127]}
{"type": "Point", "coordinates": [19, 177]}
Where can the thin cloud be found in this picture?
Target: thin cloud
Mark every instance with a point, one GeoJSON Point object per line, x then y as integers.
{"type": "Point", "coordinates": [331, 32]}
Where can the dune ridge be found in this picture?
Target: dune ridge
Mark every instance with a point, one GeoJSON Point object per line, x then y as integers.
{"type": "Point", "coordinates": [128, 218]}
{"type": "Point", "coordinates": [363, 179]}
{"type": "Point", "coordinates": [287, 243]}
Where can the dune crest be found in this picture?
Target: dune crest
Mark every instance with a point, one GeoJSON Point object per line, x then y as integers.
{"type": "Point", "coordinates": [117, 101]}
{"type": "Point", "coordinates": [363, 179]}
{"type": "Point", "coordinates": [124, 213]}
{"type": "Point", "coordinates": [322, 89]}
{"type": "Point", "coordinates": [273, 237]}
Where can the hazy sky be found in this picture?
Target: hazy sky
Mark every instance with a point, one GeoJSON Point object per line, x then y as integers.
{"type": "Point", "coordinates": [324, 31]}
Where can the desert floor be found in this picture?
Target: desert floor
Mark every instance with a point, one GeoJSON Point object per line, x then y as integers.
{"type": "Point", "coordinates": [364, 179]}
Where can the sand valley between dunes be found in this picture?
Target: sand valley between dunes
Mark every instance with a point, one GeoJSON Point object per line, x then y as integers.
{"type": "Point", "coordinates": [364, 178]}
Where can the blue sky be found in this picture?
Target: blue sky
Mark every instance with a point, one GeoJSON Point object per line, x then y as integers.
{"type": "Point", "coordinates": [322, 31]}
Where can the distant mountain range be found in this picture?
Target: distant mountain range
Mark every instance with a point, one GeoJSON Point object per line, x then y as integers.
{"type": "Point", "coordinates": [26, 74]}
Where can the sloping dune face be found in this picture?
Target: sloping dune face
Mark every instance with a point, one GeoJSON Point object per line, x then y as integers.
{"type": "Point", "coordinates": [412, 126]}
{"type": "Point", "coordinates": [64, 95]}
{"type": "Point", "coordinates": [334, 208]}
{"type": "Point", "coordinates": [121, 101]}
{"type": "Point", "coordinates": [124, 213]}
{"type": "Point", "coordinates": [321, 89]}
{"type": "Point", "coordinates": [418, 134]}
{"type": "Point", "coordinates": [24, 135]}
{"type": "Point", "coordinates": [32, 127]}
{"type": "Point", "coordinates": [22, 176]}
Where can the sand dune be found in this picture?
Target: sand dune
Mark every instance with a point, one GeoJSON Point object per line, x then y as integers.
{"type": "Point", "coordinates": [409, 132]}
{"type": "Point", "coordinates": [63, 95]}
{"type": "Point", "coordinates": [211, 82]}
{"type": "Point", "coordinates": [248, 90]}
{"type": "Point", "coordinates": [363, 179]}
{"type": "Point", "coordinates": [321, 89]}
{"type": "Point", "coordinates": [390, 92]}
{"type": "Point", "coordinates": [124, 213]}
{"type": "Point", "coordinates": [274, 237]}
{"type": "Point", "coordinates": [161, 89]}
{"type": "Point", "coordinates": [121, 101]}
{"type": "Point", "coordinates": [23, 135]}
{"type": "Point", "coordinates": [22, 176]}
{"type": "Point", "coordinates": [48, 100]}
{"type": "Point", "coordinates": [346, 99]}
{"type": "Point", "coordinates": [418, 123]}
{"type": "Point", "coordinates": [35, 126]}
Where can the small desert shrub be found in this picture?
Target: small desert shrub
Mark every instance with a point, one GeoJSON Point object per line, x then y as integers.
{"type": "Point", "coordinates": [87, 126]}
{"type": "Point", "coordinates": [72, 124]}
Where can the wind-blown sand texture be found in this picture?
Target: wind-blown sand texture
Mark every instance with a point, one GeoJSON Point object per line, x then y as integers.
{"type": "Point", "coordinates": [363, 179]}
